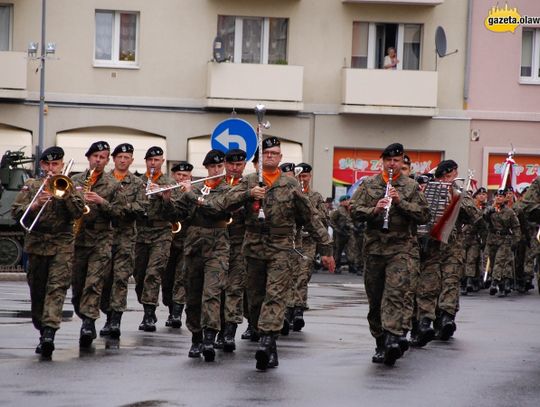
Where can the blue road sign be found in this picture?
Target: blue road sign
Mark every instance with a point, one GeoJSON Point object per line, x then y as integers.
{"type": "Point", "coordinates": [235, 133]}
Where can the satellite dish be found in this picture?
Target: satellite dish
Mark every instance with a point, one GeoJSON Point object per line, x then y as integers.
{"type": "Point", "coordinates": [219, 51]}
{"type": "Point", "coordinates": [440, 41]}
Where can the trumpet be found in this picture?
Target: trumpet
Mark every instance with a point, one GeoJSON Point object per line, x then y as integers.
{"type": "Point", "coordinates": [178, 185]}
{"type": "Point", "coordinates": [149, 180]}
{"type": "Point", "coordinates": [176, 228]}
{"type": "Point", "coordinates": [60, 186]}
{"type": "Point", "coordinates": [538, 235]}
{"type": "Point", "coordinates": [385, 227]}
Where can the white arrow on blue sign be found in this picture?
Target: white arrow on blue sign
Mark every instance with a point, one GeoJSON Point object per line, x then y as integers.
{"type": "Point", "coordinates": [235, 133]}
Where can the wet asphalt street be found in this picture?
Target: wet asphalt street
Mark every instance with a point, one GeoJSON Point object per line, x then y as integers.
{"type": "Point", "coordinates": [494, 360]}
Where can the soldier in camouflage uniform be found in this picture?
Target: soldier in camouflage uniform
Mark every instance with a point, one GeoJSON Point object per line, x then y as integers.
{"type": "Point", "coordinates": [206, 253]}
{"type": "Point", "coordinates": [441, 269]}
{"type": "Point", "coordinates": [115, 290]}
{"type": "Point", "coordinates": [154, 238]}
{"type": "Point", "coordinates": [531, 206]}
{"type": "Point", "coordinates": [503, 236]}
{"type": "Point", "coordinates": [343, 229]}
{"type": "Point", "coordinates": [93, 237]}
{"type": "Point", "coordinates": [388, 253]}
{"type": "Point", "coordinates": [522, 281]}
{"type": "Point", "coordinates": [268, 245]}
{"type": "Point", "coordinates": [173, 284]}
{"type": "Point", "coordinates": [309, 247]}
{"type": "Point", "coordinates": [50, 247]}
{"type": "Point", "coordinates": [474, 242]}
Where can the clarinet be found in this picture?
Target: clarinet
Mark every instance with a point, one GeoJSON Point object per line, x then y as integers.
{"type": "Point", "coordinates": [385, 228]}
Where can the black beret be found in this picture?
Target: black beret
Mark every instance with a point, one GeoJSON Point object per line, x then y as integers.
{"type": "Point", "coordinates": [270, 142]}
{"type": "Point", "coordinates": [393, 150]}
{"type": "Point", "coordinates": [235, 155]}
{"type": "Point", "coordinates": [509, 189]}
{"type": "Point", "coordinates": [501, 191]}
{"type": "Point", "coordinates": [182, 166]}
{"type": "Point", "coordinates": [445, 167]}
{"type": "Point", "coordinates": [98, 146]}
{"type": "Point", "coordinates": [306, 168]}
{"type": "Point", "coordinates": [287, 167]}
{"type": "Point", "coordinates": [154, 151]}
{"type": "Point", "coordinates": [424, 178]}
{"type": "Point", "coordinates": [480, 190]}
{"type": "Point", "coordinates": [52, 154]}
{"type": "Point", "coordinates": [123, 148]}
{"type": "Point", "coordinates": [407, 159]}
{"type": "Point", "coordinates": [214, 157]}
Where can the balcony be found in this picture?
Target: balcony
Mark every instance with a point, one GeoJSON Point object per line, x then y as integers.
{"type": "Point", "coordinates": [399, 2]}
{"type": "Point", "coordinates": [381, 91]}
{"type": "Point", "coordinates": [242, 86]}
{"type": "Point", "coordinates": [13, 67]}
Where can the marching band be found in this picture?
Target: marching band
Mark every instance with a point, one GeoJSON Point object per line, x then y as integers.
{"type": "Point", "coordinates": [237, 245]}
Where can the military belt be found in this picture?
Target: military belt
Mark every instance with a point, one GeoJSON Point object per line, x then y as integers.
{"type": "Point", "coordinates": [154, 223]}
{"type": "Point", "coordinates": [97, 225]}
{"type": "Point", "coordinates": [268, 230]}
{"type": "Point", "coordinates": [218, 224]}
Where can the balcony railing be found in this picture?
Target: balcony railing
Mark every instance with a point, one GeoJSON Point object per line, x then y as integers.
{"type": "Point", "coordinates": [13, 66]}
{"type": "Point", "coordinates": [394, 92]}
{"type": "Point", "coordinates": [279, 87]}
{"type": "Point", "coordinates": [398, 2]}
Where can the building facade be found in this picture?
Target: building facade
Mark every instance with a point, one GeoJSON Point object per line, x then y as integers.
{"type": "Point", "coordinates": [146, 72]}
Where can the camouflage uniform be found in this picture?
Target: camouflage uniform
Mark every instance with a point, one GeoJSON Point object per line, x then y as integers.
{"type": "Point", "coordinates": [343, 229]}
{"type": "Point", "coordinates": [50, 249]}
{"type": "Point", "coordinates": [268, 246]}
{"type": "Point", "coordinates": [115, 290]}
{"type": "Point", "coordinates": [521, 247]}
{"type": "Point", "coordinates": [206, 252]}
{"type": "Point", "coordinates": [93, 244]}
{"type": "Point", "coordinates": [387, 269]}
{"type": "Point", "coordinates": [442, 267]}
{"type": "Point", "coordinates": [153, 244]}
{"type": "Point", "coordinates": [503, 234]}
{"type": "Point", "coordinates": [178, 264]}
{"type": "Point", "coordinates": [531, 207]}
{"type": "Point", "coordinates": [309, 249]}
{"type": "Point", "coordinates": [474, 242]}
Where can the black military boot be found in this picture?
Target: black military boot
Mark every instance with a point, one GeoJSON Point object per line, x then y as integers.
{"type": "Point", "coordinates": [228, 337]}
{"type": "Point", "coordinates": [493, 288]}
{"type": "Point", "coordinates": [116, 319]}
{"type": "Point", "coordinates": [392, 350]}
{"type": "Point", "coordinates": [176, 321]}
{"type": "Point", "coordinates": [208, 351]}
{"type": "Point", "coordinates": [88, 333]}
{"type": "Point", "coordinates": [424, 334]}
{"type": "Point", "coordinates": [507, 286]}
{"type": "Point", "coordinates": [47, 342]}
{"type": "Point", "coordinates": [463, 286]}
{"type": "Point", "coordinates": [106, 330]}
{"type": "Point", "coordinates": [219, 341]}
{"type": "Point", "coordinates": [247, 333]}
{"type": "Point", "coordinates": [196, 344]}
{"type": "Point", "coordinates": [262, 356]}
{"type": "Point", "coordinates": [148, 323]}
{"type": "Point", "coordinates": [38, 347]}
{"type": "Point", "coordinates": [448, 326]}
{"type": "Point", "coordinates": [273, 360]}
{"type": "Point", "coordinates": [378, 357]}
{"type": "Point", "coordinates": [502, 290]}
{"type": "Point", "coordinates": [287, 318]}
{"type": "Point", "coordinates": [469, 286]}
{"type": "Point", "coordinates": [403, 343]}
{"type": "Point", "coordinates": [298, 319]}
{"type": "Point", "coordinates": [255, 336]}
{"type": "Point", "coordinates": [168, 322]}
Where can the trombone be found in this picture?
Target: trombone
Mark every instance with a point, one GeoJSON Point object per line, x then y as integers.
{"type": "Point", "coordinates": [178, 185]}
{"type": "Point", "coordinates": [59, 186]}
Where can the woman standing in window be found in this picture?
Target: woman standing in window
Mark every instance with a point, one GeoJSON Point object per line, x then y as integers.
{"type": "Point", "coordinates": [390, 60]}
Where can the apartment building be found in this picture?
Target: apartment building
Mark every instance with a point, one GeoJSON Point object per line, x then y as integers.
{"type": "Point", "coordinates": [145, 72]}
{"type": "Point", "coordinates": [504, 94]}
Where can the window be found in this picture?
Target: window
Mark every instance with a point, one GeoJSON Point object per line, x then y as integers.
{"type": "Point", "coordinates": [116, 38]}
{"type": "Point", "coordinates": [530, 55]}
{"type": "Point", "coordinates": [254, 40]}
{"type": "Point", "coordinates": [371, 41]}
{"type": "Point", "coordinates": [5, 27]}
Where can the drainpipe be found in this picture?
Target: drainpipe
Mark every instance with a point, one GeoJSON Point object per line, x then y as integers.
{"type": "Point", "coordinates": [466, 81]}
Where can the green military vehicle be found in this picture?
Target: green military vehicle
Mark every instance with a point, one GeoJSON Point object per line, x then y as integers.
{"type": "Point", "coordinates": [13, 176]}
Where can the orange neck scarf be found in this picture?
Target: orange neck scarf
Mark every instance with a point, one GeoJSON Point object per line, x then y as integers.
{"type": "Point", "coordinates": [271, 177]}
{"type": "Point", "coordinates": [212, 183]}
{"type": "Point", "coordinates": [386, 176]}
{"type": "Point", "coordinates": [232, 181]}
{"type": "Point", "coordinates": [118, 176]}
{"type": "Point", "coordinates": [157, 174]}
{"type": "Point", "coordinates": [95, 175]}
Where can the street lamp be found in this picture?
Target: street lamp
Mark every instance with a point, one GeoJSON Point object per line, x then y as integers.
{"type": "Point", "coordinates": [47, 50]}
